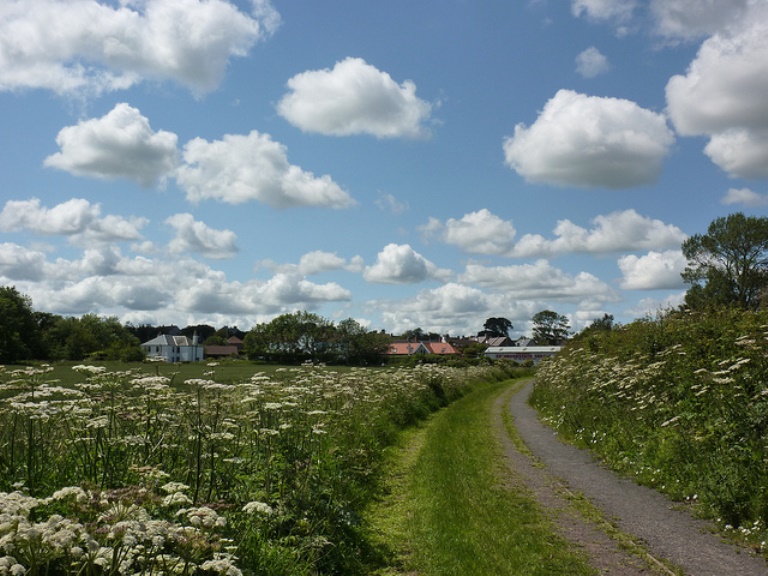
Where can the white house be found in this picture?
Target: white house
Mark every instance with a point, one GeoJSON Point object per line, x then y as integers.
{"type": "Point", "coordinates": [174, 348]}
{"type": "Point", "coordinates": [522, 353]}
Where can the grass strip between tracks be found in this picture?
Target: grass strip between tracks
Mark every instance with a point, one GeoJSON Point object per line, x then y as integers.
{"type": "Point", "coordinates": [450, 511]}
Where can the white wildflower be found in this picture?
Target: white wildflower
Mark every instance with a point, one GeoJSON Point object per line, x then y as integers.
{"type": "Point", "coordinates": [258, 507]}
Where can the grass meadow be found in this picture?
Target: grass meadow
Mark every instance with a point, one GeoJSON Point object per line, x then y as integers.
{"type": "Point", "coordinates": [225, 469]}
{"type": "Point", "coordinates": [680, 402]}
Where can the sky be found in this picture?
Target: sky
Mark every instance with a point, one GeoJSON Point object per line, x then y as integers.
{"type": "Point", "coordinates": [409, 164]}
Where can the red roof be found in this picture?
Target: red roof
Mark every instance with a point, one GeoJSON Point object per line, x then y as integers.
{"type": "Point", "coordinates": [440, 348]}
{"type": "Point", "coordinates": [406, 348]}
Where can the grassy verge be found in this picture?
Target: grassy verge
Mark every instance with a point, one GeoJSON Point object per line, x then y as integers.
{"type": "Point", "coordinates": [453, 514]}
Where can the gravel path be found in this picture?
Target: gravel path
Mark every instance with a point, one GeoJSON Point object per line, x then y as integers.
{"type": "Point", "coordinates": [646, 515]}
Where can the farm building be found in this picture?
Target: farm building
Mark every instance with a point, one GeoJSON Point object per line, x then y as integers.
{"type": "Point", "coordinates": [522, 353]}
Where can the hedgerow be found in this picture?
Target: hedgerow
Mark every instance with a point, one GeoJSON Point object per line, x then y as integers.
{"type": "Point", "coordinates": [679, 401]}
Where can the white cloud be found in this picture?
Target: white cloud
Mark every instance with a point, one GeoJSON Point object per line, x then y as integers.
{"type": "Point", "coordinates": [20, 263]}
{"type": "Point", "coordinates": [480, 232]}
{"type": "Point", "coordinates": [591, 62]}
{"type": "Point", "coordinates": [195, 236]}
{"type": "Point", "coordinates": [315, 262]}
{"type": "Point", "coordinates": [539, 281]}
{"type": "Point", "coordinates": [746, 197]}
{"type": "Point", "coordinates": [121, 144]}
{"type": "Point", "coordinates": [76, 218]}
{"type": "Point", "coordinates": [722, 95]}
{"type": "Point", "coordinates": [354, 98]}
{"type": "Point", "coordinates": [318, 261]}
{"type": "Point", "coordinates": [654, 271]}
{"type": "Point", "coordinates": [253, 167]}
{"type": "Point", "coordinates": [589, 141]}
{"type": "Point", "coordinates": [614, 232]}
{"type": "Point", "coordinates": [401, 264]}
{"type": "Point", "coordinates": [690, 19]}
{"type": "Point", "coordinates": [160, 290]}
{"type": "Point", "coordinates": [391, 204]}
{"type": "Point", "coordinates": [452, 308]}
{"type": "Point", "coordinates": [76, 46]}
{"type": "Point", "coordinates": [741, 152]}
{"type": "Point", "coordinates": [619, 11]}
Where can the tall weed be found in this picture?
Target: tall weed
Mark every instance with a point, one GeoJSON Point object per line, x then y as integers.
{"type": "Point", "coordinates": [680, 401]}
{"type": "Point", "coordinates": [127, 472]}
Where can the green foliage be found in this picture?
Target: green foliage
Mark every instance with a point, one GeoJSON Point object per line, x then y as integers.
{"type": "Point", "coordinates": [729, 264]}
{"type": "Point", "coordinates": [680, 401]}
{"type": "Point", "coordinates": [496, 327]}
{"type": "Point", "coordinates": [550, 328]}
{"type": "Point", "coordinates": [303, 336]}
{"type": "Point", "coordinates": [90, 336]}
{"type": "Point", "coordinates": [19, 331]}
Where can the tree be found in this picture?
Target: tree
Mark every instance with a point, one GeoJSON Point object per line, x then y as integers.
{"type": "Point", "coordinates": [604, 324]}
{"type": "Point", "coordinates": [358, 345]}
{"type": "Point", "coordinates": [496, 328]}
{"type": "Point", "coordinates": [550, 328]}
{"type": "Point", "coordinates": [729, 264]}
{"type": "Point", "coordinates": [291, 338]}
{"type": "Point", "coordinates": [19, 331]}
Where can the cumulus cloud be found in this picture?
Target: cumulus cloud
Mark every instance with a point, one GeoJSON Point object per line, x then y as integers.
{"type": "Point", "coordinates": [196, 236]}
{"type": "Point", "coordinates": [452, 308]}
{"type": "Point", "coordinates": [619, 11]}
{"type": "Point", "coordinates": [354, 98]}
{"type": "Point", "coordinates": [614, 232]}
{"type": "Point", "coordinates": [654, 271]}
{"type": "Point", "coordinates": [240, 168]}
{"type": "Point", "coordinates": [746, 197]}
{"type": "Point", "coordinates": [539, 281]}
{"type": "Point", "coordinates": [589, 141]}
{"type": "Point", "coordinates": [91, 46]}
{"type": "Point", "coordinates": [77, 218]}
{"type": "Point", "coordinates": [741, 152]}
{"type": "Point", "coordinates": [121, 144]}
{"type": "Point", "coordinates": [401, 264]}
{"type": "Point", "coordinates": [722, 95]}
{"type": "Point", "coordinates": [480, 232]}
{"type": "Point", "coordinates": [319, 261]}
{"type": "Point", "coordinates": [315, 262]}
{"type": "Point", "coordinates": [591, 62]}
{"type": "Point", "coordinates": [20, 263]}
{"type": "Point", "coordinates": [690, 19]}
{"type": "Point", "coordinates": [106, 282]}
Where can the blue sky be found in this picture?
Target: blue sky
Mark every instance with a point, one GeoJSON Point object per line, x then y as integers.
{"type": "Point", "coordinates": [408, 164]}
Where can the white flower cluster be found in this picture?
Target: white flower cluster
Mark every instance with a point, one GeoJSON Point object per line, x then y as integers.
{"type": "Point", "coordinates": [124, 539]}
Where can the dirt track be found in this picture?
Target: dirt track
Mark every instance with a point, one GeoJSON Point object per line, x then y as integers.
{"type": "Point", "coordinates": [666, 532]}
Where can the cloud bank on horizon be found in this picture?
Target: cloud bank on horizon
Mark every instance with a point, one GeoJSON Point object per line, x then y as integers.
{"type": "Point", "coordinates": [430, 165]}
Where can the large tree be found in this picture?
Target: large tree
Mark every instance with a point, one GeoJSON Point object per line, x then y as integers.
{"type": "Point", "coordinates": [550, 328]}
{"type": "Point", "coordinates": [729, 264]}
{"type": "Point", "coordinates": [19, 331]}
{"type": "Point", "coordinates": [496, 327]}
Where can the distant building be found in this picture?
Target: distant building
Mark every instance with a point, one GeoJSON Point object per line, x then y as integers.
{"type": "Point", "coordinates": [440, 348]}
{"type": "Point", "coordinates": [406, 348]}
{"type": "Point", "coordinates": [522, 353]}
{"type": "Point", "coordinates": [410, 348]}
{"type": "Point", "coordinates": [174, 348]}
{"type": "Point", "coordinates": [220, 351]}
